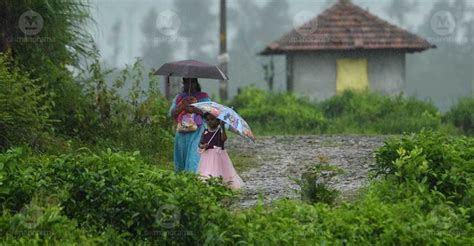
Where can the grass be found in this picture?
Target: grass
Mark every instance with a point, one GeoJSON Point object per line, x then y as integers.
{"type": "Point", "coordinates": [243, 161]}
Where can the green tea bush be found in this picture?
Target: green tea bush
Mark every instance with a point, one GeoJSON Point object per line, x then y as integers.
{"type": "Point", "coordinates": [367, 221]}
{"type": "Point", "coordinates": [462, 115]}
{"type": "Point", "coordinates": [445, 164]}
{"type": "Point", "coordinates": [113, 190]}
{"type": "Point", "coordinates": [424, 198]}
{"type": "Point", "coordinates": [370, 112]}
{"type": "Point", "coordinates": [314, 182]}
{"type": "Point", "coordinates": [276, 113]}
{"type": "Point", "coordinates": [46, 225]}
{"type": "Point", "coordinates": [24, 106]}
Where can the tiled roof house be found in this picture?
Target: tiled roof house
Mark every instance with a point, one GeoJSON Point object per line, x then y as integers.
{"type": "Point", "coordinates": [346, 47]}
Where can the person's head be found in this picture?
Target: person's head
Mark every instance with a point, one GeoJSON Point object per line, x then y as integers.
{"type": "Point", "coordinates": [211, 120]}
{"type": "Point", "coordinates": [191, 85]}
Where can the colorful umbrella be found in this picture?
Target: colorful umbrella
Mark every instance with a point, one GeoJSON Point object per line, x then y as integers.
{"type": "Point", "coordinates": [235, 123]}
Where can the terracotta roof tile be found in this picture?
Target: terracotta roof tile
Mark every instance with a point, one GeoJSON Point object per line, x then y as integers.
{"type": "Point", "coordinates": [346, 26]}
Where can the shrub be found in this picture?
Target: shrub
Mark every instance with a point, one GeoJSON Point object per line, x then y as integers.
{"type": "Point", "coordinates": [462, 115]}
{"type": "Point", "coordinates": [443, 163]}
{"type": "Point", "coordinates": [46, 225]}
{"type": "Point", "coordinates": [350, 112]}
{"type": "Point", "coordinates": [370, 112]}
{"type": "Point", "coordinates": [425, 198]}
{"type": "Point", "coordinates": [278, 113]}
{"type": "Point", "coordinates": [24, 107]}
{"type": "Point", "coordinates": [314, 182]}
{"type": "Point", "coordinates": [113, 190]}
{"type": "Point", "coordinates": [103, 118]}
{"type": "Point", "coordinates": [368, 221]}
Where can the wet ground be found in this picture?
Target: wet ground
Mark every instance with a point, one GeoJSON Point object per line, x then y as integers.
{"type": "Point", "coordinates": [278, 159]}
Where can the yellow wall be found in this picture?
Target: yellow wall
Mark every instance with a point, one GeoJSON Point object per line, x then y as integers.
{"type": "Point", "coordinates": [351, 74]}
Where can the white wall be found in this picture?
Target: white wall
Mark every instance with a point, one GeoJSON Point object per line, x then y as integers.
{"type": "Point", "coordinates": [314, 73]}
{"type": "Point", "coordinates": [387, 72]}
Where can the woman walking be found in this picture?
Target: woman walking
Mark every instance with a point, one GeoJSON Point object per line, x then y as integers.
{"type": "Point", "coordinates": [189, 125]}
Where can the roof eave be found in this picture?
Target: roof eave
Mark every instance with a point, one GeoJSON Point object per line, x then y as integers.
{"type": "Point", "coordinates": [268, 51]}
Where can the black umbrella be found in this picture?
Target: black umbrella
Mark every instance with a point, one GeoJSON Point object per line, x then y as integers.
{"type": "Point", "coordinates": [191, 69]}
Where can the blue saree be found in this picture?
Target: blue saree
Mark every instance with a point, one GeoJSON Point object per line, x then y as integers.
{"type": "Point", "coordinates": [186, 157]}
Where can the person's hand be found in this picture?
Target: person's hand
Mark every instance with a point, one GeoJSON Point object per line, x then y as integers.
{"type": "Point", "coordinates": [204, 145]}
{"type": "Point", "coordinates": [189, 109]}
{"type": "Point", "coordinates": [186, 102]}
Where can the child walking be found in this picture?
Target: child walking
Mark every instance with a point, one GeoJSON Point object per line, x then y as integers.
{"type": "Point", "coordinates": [214, 158]}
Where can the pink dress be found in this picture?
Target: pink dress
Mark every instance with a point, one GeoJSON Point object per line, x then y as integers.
{"type": "Point", "coordinates": [216, 162]}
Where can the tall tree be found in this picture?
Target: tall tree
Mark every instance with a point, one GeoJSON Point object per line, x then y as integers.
{"type": "Point", "coordinates": [48, 39]}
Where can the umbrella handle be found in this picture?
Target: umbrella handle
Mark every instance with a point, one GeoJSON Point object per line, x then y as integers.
{"type": "Point", "coordinates": [199, 150]}
{"type": "Point", "coordinates": [218, 127]}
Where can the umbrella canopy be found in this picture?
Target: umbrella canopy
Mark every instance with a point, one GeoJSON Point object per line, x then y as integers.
{"type": "Point", "coordinates": [191, 69]}
{"type": "Point", "coordinates": [235, 123]}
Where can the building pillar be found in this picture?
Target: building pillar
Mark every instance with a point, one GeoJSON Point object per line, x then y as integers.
{"type": "Point", "coordinates": [289, 73]}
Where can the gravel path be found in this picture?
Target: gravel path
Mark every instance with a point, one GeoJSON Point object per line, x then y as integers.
{"type": "Point", "coordinates": [282, 157]}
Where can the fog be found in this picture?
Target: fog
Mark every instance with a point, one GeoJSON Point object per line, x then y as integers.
{"type": "Point", "coordinates": [126, 30]}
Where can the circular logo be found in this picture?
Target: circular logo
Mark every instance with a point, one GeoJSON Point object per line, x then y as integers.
{"type": "Point", "coordinates": [443, 23]}
{"type": "Point", "coordinates": [31, 214]}
{"type": "Point", "coordinates": [30, 23]}
{"type": "Point", "coordinates": [168, 216]}
{"type": "Point", "coordinates": [304, 22]}
{"type": "Point", "coordinates": [168, 22]}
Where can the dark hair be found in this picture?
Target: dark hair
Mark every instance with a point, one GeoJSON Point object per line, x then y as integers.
{"type": "Point", "coordinates": [193, 80]}
{"type": "Point", "coordinates": [204, 116]}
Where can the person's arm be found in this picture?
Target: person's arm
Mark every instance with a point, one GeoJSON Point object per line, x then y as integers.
{"type": "Point", "coordinates": [223, 134]}
{"type": "Point", "coordinates": [178, 109]}
{"type": "Point", "coordinates": [203, 145]}
{"type": "Point", "coordinates": [191, 109]}
{"type": "Point", "coordinates": [173, 106]}
{"type": "Point", "coordinates": [195, 110]}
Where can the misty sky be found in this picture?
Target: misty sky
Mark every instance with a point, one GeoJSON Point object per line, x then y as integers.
{"type": "Point", "coordinates": [441, 75]}
{"type": "Point", "coordinates": [132, 12]}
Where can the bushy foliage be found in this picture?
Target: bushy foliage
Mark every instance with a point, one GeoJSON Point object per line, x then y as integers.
{"type": "Point", "coordinates": [405, 207]}
{"type": "Point", "coordinates": [314, 182]}
{"type": "Point", "coordinates": [435, 161]}
{"type": "Point", "coordinates": [24, 106]}
{"type": "Point", "coordinates": [113, 190]}
{"type": "Point", "coordinates": [271, 113]}
{"type": "Point", "coordinates": [138, 121]}
{"type": "Point", "coordinates": [103, 118]}
{"type": "Point", "coordinates": [424, 196]}
{"type": "Point", "coordinates": [462, 115]}
{"type": "Point", "coordinates": [350, 112]}
{"type": "Point", "coordinates": [47, 225]}
{"type": "Point", "coordinates": [369, 112]}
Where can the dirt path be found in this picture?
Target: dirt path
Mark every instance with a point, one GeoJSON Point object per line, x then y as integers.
{"type": "Point", "coordinates": [282, 157]}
